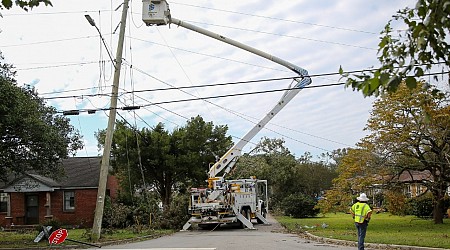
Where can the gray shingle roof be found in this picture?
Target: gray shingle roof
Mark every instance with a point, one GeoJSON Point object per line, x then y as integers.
{"type": "Point", "coordinates": [80, 172]}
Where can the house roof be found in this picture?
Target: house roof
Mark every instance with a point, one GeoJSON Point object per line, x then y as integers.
{"type": "Point", "coordinates": [80, 172]}
{"type": "Point", "coordinates": [415, 176]}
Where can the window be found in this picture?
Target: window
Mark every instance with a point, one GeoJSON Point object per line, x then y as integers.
{"type": "Point", "coordinates": [69, 200]}
{"type": "Point", "coordinates": [3, 202]}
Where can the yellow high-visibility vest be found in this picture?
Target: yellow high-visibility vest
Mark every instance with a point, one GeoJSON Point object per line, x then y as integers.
{"type": "Point", "coordinates": [360, 210]}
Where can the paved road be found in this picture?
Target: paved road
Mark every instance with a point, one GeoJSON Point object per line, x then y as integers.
{"type": "Point", "coordinates": [265, 237]}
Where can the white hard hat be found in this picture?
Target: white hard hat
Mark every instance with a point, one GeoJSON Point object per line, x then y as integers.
{"type": "Point", "coordinates": [362, 197]}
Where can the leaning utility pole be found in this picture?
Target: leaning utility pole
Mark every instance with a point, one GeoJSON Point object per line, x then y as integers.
{"type": "Point", "coordinates": [97, 227]}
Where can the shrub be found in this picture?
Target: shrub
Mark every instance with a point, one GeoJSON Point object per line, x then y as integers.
{"type": "Point", "coordinates": [396, 202]}
{"type": "Point", "coordinates": [421, 206]}
{"type": "Point", "coordinates": [116, 215]}
{"type": "Point", "coordinates": [176, 215]}
{"type": "Point", "coordinates": [56, 224]}
{"type": "Point", "coordinates": [299, 206]}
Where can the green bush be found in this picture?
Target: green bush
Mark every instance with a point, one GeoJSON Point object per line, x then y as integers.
{"type": "Point", "coordinates": [421, 206]}
{"type": "Point", "coordinates": [299, 206]}
{"type": "Point", "coordinates": [396, 202]}
{"type": "Point", "coordinates": [175, 216]}
{"type": "Point", "coordinates": [56, 224]}
{"type": "Point", "coordinates": [116, 215]}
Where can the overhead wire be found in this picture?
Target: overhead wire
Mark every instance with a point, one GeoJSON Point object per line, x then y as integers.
{"type": "Point", "coordinates": [132, 19]}
{"type": "Point", "coordinates": [173, 112]}
{"type": "Point", "coordinates": [46, 42]}
{"type": "Point", "coordinates": [276, 18]}
{"type": "Point", "coordinates": [235, 94]}
{"type": "Point", "coordinates": [33, 13]}
{"type": "Point", "coordinates": [58, 66]}
{"type": "Point", "coordinates": [172, 87]}
{"type": "Point", "coordinates": [283, 35]}
{"type": "Point", "coordinates": [182, 69]}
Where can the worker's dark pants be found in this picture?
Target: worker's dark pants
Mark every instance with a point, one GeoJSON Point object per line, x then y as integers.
{"type": "Point", "coordinates": [362, 229]}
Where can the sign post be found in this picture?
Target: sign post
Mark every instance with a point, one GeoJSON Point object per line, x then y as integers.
{"type": "Point", "coordinates": [58, 237]}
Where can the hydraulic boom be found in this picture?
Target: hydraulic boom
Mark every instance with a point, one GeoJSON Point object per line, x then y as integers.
{"type": "Point", "coordinates": [227, 201]}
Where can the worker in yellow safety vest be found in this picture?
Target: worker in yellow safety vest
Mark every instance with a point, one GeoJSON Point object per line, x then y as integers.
{"type": "Point", "coordinates": [361, 213]}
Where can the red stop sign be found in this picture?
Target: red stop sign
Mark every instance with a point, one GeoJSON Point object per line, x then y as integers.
{"type": "Point", "coordinates": [58, 236]}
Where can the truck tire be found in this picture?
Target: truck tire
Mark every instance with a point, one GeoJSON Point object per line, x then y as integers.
{"type": "Point", "coordinates": [208, 226]}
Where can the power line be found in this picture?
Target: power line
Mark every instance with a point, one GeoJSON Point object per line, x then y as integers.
{"type": "Point", "coordinates": [213, 84]}
{"type": "Point", "coordinates": [48, 41]}
{"type": "Point", "coordinates": [207, 55]}
{"type": "Point", "coordinates": [58, 66]}
{"type": "Point", "coordinates": [276, 18]}
{"type": "Point", "coordinates": [290, 36]}
{"type": "Point", "coordinates": [174, 88]}
{"type": "Point", "coordinates": [224, 96]}
{"type": "Point", "coordinates": [208, 98]}
{"type": "Point", "coordinates": [69, 90]}
{"type": "Point", "coordinates": [55, 13]}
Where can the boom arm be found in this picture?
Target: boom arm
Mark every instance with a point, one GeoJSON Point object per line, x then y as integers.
{"type": "Point", "coordinates": [158, 13]}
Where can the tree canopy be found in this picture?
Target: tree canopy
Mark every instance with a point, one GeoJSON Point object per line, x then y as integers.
{"type": "Point", "coordinates": [409, 53]}
{"type": "Point", "coordinates": [26, 5]}
{"type": "Point", "coordinates": [154, 158]}
{"type": "Point", "coordinates": [288, 177]}
{"type": "Point", "coordinates": [409, 131]}
{"type": "Point", "coordinates": [413, 129]}
{"type": "Point", "coordinates": [33, 137]}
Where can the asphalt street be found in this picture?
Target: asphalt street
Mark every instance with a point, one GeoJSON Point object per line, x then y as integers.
{"type": "Point", "coordinates": [223, 238]}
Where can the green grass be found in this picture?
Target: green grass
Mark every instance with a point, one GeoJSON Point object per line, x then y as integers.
{"type": "Point", "coordinates": [383, 228]}
{"type": "Point", "coordinates": [24, 240]}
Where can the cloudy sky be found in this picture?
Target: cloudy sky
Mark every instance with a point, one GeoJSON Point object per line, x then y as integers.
{"type": "Point", "coordinates": [61, 55]}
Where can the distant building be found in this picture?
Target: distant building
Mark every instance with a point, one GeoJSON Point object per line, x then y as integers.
{"type": "Point", "coordinates": [412, 181]}
{"type": "Point", "coordinates": [34, 199]}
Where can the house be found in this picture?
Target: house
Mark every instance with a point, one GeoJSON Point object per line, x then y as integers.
{"type": "Point", "coordinates": [412, 182]}
{"type": "Point", "coordinates": [34, 199]}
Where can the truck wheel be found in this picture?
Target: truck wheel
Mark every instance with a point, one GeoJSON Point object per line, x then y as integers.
{"type": "Point", "coordinates": [208, 226]}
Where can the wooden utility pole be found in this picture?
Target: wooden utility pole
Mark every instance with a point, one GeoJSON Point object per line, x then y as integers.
{"type": "Point", "coordinates": [97, 227]}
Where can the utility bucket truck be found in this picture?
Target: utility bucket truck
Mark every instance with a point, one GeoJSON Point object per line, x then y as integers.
{"type": "Point", "coordinates": [228, 201]}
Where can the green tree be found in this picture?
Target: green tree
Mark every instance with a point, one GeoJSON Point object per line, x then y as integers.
{"type": "Point", "coordinates": [154, 158]}
{"type": "Point", "coordinates": [405, 55]}
{"type": "Point", "coordinates": [270, 160]}
{"type": "Point", "coordinates": [33, 137]}
{"type": "Point", "coordinates": [286, 175]}
{"type": "Point", "coordinates": [26, 5]}
{"type": "Point", "coordinates": [412, 127]}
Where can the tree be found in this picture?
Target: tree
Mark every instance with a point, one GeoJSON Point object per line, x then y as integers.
{"type": "Point", "coordinates": [412, 127]}
{"type": "Point", "coordinates": [357, 171]}
{"type": "Point", "coordinates": [407, 54]}
{"type": "Point", "coordinates": [154, 158]}
{"type": "Point", "coordinates": [26, 5]}
{"type": "Point", "coordinates": [286, 175]}
{"type": "Point", "coordinates": [33, 137]}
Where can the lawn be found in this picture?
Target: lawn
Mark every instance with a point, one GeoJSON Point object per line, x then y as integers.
{"type": "Point", "coordinates": [383, 228]}
{"type": "Point", "coordinates": [24, 240]}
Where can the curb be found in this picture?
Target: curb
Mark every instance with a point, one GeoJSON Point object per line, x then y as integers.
{"type": "Point", "coordinates": [367, 245]}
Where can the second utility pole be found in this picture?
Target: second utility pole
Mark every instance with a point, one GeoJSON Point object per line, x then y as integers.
{"type": "Point", "coordinates": [98, 218]}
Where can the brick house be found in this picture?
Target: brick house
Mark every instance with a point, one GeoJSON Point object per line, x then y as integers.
{"type": "Point", "coordinates": [34, 199]}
